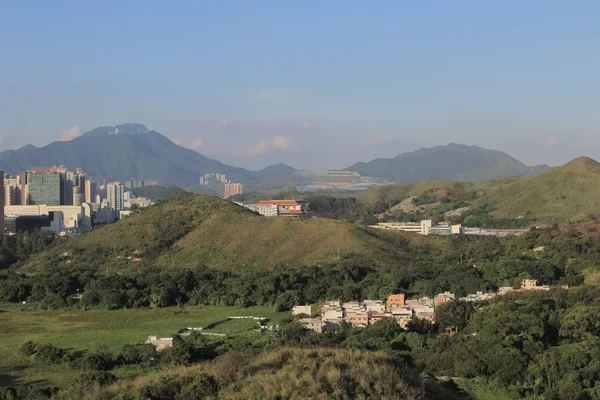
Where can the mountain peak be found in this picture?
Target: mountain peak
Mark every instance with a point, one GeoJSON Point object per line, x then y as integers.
{"type": "Point", "coordinates": [124, 129]}
{"type": "Point", "coordinates": [581, 165]}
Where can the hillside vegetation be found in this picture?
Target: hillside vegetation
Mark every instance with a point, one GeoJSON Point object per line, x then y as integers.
{"type": "Point", "coordinates": [563, 194]}
{"type": "Point", "coordinates": [189, 230]}
{"type": "Point", "coordinates": [569, 192]}
{"type": "Point", "coordinates": [286, 373]}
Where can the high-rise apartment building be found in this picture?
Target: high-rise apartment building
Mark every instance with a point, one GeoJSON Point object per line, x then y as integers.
{"type": "Point", "coordinates": [2, 204]}
{"type": "Point", "coordinates": [47, 188]}
{"type": "Point", "coordinates": [231, 189]}
{"type": "Point", "coordinates": [77, 196]}
{"type": "Point", "coordinates": [114, 195]}
{"type": "Point", "coordinates": [24, 188]}
{"type": "Point", "coordinates": [90, 191]}
{"type": "Point", "coordinates": [12, 190]}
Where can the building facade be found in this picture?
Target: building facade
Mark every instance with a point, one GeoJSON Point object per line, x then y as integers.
{"type": "Point", "coordinates": [90, 191]}
{"type": "Point", "coordinates": [231, 189]}
{"type": "Point", "coordinates": [46, 188]}
{"type": "Point", "coordinates": [114, 195]}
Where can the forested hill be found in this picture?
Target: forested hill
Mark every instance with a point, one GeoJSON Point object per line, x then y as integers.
{"type": "Point", "coordinates": [190, 230]}
{"type": "Point", "coordinates": [455, 162]}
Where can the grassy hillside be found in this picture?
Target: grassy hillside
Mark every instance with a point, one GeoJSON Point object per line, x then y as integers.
{"type": "Point", "coordinates": [567, 193]}
{"type": "Point", "coordinates": [193, 230]}
{"type": "Point", "coordinates": [286, 373]}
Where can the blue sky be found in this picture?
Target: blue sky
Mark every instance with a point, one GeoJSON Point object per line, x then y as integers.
{"type": "Point", "coordinates": [311, 83]}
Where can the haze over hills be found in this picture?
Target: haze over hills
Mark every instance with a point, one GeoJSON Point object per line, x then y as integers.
{"type": "Point", "coordinates": [135, 152]}
{"type": "Point", "coordinates": [452, 162]}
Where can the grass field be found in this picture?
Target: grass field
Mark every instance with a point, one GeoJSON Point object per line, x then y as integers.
{"type": "Point", "coordinates": [94, 329]}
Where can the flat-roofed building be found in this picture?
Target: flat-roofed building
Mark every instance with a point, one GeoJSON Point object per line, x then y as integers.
{"type": "Point", "coordinates": [395, 300]}
{"type": "Point", "coordinates": [290, 208]}
{"type": "Point", "coordinates": [306, 310]}
{"type": "Point", "coordinates": [74, 216]}
{"type": "Point", "coordinates": [315, 325]}
{"type": "Point", "coordinates": [357, 318]}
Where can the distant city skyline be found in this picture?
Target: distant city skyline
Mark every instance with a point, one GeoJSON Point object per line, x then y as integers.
{"type": "Point", "coordinates": [313, 85]}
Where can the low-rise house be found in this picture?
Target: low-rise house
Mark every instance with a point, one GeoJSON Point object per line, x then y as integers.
{"type": "Point", "coordinates": [374, 306]}
{"type": "Point", "coordinates": [443, 298]}
{"type": "Point", "coordinates": [422, 302]}
{"type": "Point", "coordinates": [352, 306]}
{"type": "Point", "coordinates": [315, 325]}
{"type": "Point", "coordinates": [395, 300]}
{"type": "Point", "coordinates": [505, 289]}
{"type": "Point", "coordinates": [332, 314]}
{"type": "Point", "coordinates": [160, 343]}
{"type": "Point", "coordinates": [357, 318]}
{"type": "Point", "coordinates": [306, 310]}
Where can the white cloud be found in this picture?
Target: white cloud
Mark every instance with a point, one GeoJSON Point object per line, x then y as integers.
{"type": "Point", "coordinates": [196, 143]}
{"type": "Point", "coordinates": [1, 140]}
{"type": "Point", "coordinates": [382, 139]}
{"type": "Point", "coordinates": [70, 134]}
{"type": "Point", "coordinates": [270, 93]}
{"type": "Point", "coordinates": [281, 142]}
{"type": "Point", "coordinates": [278, 142]}
{"type": "Point", "coordinates": [550, 141]}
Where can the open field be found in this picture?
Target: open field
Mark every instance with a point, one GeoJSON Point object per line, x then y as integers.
{"type": "Point", "coordinates": [93, 329]}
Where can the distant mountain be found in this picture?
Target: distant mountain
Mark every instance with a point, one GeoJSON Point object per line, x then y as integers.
{"type": "Point", "coordinates": [274, 172]}
{"type": "Point", "coordinates": [135, 152]}
{"type": "Point", "coordinates": [452, 162]}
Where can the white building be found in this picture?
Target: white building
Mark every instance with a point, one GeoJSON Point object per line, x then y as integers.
{"type": "Point", "coordinates": [114, 195]}
{"type": "Point", "coordinates": [267, 210]}
{"type": "Point", "coordinates": [74, 217]}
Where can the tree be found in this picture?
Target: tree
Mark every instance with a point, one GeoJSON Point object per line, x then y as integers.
{"type": "Point", "coordinates": [454, 315]}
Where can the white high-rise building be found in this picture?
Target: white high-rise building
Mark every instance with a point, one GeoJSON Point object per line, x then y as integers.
{"type": "Point", "coordinates": [114, 195]}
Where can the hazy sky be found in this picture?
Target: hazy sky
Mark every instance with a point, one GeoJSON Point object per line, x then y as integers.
{"type": "Point", "coordinates": [310, 83]}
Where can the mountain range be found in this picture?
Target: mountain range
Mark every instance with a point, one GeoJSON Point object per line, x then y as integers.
{"type": "Point", "coordinates": [454, 162]}
{"type": "Point", "coordinates": [136, 152]}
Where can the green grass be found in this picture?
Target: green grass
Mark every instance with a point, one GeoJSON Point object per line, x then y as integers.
{"type": "Point", "coordinates": [93, 329]}
{"type": "Point", "coordinates": [188, 231]}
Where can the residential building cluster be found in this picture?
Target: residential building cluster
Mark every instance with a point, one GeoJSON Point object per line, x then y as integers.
{"type": "Point", "coordinates": [367, 312]}
{"type": "Point", "coordinates": [221, 184]}
{"type": "Point", "coordinates": [428, 227]}
{"type": "Point", "coordinates": [61, 201]}
{"type": "Point", "coordinates": [296, 209]}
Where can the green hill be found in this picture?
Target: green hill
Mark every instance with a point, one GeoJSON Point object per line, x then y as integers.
{"type": "Point", "coordinates": [562, 194]}
{"type": "Point", "coordinates": [283, 373]}
{"type": "Point", "coordinates": [567, 193]}
{"type": "Point", "coordinates": [455, 162]}
{"type": "Point", "coordinates": [194, 230]}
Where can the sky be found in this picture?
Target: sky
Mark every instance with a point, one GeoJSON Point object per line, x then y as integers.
{"type": "Point", "coordinates": [313, 84]}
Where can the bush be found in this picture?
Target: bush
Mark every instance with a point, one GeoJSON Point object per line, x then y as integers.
{"type": "Point", "coordinates": [49, 354]}
{"type": "Point", "coordinates": [29, 348]}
